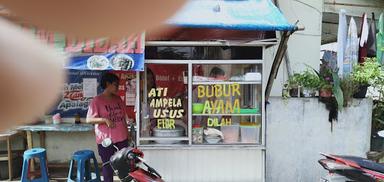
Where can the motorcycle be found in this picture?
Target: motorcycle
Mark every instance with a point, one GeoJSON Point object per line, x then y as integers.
{"type": "Point", "coordinates": [128, 163]}
{"type": "Point", "coordinates": [351, 169]}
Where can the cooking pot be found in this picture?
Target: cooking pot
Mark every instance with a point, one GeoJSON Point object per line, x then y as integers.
{"type": "Point", "coordinates": [178, 131]}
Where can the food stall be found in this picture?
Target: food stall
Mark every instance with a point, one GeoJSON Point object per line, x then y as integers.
{"type": "Point", "coordinates": [201, 108]}
{"type": "Point", "coordinates": [198, 98]}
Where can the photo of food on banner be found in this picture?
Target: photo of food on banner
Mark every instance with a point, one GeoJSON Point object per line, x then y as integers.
{"type": "Point", "coordinates": [164, 99]}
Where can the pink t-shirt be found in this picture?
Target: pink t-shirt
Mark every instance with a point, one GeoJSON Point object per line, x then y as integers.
{"type": "Point", "coordinates": [112, 109]}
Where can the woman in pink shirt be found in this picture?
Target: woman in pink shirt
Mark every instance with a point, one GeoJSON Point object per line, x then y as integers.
{"type": "Point", "coordinates": [107, 112]}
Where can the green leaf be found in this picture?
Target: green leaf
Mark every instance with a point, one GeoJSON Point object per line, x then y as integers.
{"type": "Point", "coordinates": [337, 92]}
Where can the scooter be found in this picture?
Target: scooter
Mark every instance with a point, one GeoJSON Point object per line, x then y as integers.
{"type": "Point", "coordinates": [128, 163]}
{"type": "Point", "coordinates": [351, 168]}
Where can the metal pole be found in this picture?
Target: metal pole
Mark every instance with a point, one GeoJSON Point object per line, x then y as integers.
{"type": "Point", "coordinates": [277, 62]}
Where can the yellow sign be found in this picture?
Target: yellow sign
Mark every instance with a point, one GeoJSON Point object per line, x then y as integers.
{"type": "Point", "coordinates": [165, 109]}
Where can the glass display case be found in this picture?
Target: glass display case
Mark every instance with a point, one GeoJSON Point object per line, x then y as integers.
{"type": "Point", "coordinates": [202, 102]}
{"type": "Point", "coordinates": [226, 103]}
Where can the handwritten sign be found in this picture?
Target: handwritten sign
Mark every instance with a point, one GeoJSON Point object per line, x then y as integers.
{"type": "Point", "coordinates": [165, 109]}
{"type": "Point", "coordinates": [219, 100]}
{"type": "Point", "coordinates": [89, 87]}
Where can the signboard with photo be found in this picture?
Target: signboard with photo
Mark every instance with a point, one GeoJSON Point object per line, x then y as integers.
{"type": "Point", "coordinates": [82, 85]}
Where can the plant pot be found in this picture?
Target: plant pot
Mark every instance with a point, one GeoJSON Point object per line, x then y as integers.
{"type": "Point", "coordinates": [294, 92]}
{"type": "Point", "coordinates": [309, 92]}
{"type": "Point", "coordinates": [361, 91]}
{"type": "Point", "coordinates": [377, 143]}
{"type": "Point", "coordinates": [326, 93]}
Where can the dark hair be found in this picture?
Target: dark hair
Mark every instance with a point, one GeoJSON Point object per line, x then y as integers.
{"type": "Point", "coordinates": [108, 78]}
{"type": "Point", "coordinates": [215, 71]}
{"type": "Point", "coordinates": [150, 72]}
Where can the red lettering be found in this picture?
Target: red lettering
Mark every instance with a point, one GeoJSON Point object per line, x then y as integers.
{"type": "Point", "coordinates": [45, 36]}
{"type": "Point", "coordinates": [89, 44]}
{"type": "Point", "coordinates": [101, 46]}
{"type": "Point", "coordinates": [73, 45]}
{"type": "Point", "coordinates": [125, 46]}
{"type": "Point", "coordinates": [73, 95]}
{"type": "Point", "coordinates": [139, 44]}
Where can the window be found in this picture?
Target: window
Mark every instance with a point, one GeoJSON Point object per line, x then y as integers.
{"type": "Point", "coordinates": [227, 104]}
{"type": "Point", "coordinates": [202, 96]}
{"type": "Point", "coordinates": [164, 118]}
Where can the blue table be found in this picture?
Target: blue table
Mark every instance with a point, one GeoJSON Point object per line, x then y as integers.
{"type": "Point", "coordinates": [42, 128]}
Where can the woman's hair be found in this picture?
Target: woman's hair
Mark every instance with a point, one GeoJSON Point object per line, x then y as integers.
{"type": "Point", "coordinates": [150, 72]}
{"type": "Point", "coordinates": [108, 78]}
{"type": "Point", "coordinates": [216, 71]}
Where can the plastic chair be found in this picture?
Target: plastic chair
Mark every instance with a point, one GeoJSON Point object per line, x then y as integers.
{"type": "Point", "coordinates": [41, 154]}
{"type": "Point", "coordinates": [82, 160]}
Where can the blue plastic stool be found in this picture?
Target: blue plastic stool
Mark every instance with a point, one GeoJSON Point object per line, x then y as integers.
{"type": "Point", "coordinates": [41, 154]}
{"type": "Point", "coordinates": [83, 160]}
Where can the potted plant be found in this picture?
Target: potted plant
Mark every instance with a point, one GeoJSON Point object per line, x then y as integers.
{"type": "Point", "coordinates": [377, 142]}
{"type": "Point", "coordinates": [326, 81]}
{"type": "Point", "coordinates": [349, 88]}
{"type": "Point", "coordinates": [363, 75]}
{"type": "Point", "coordinates": [325, 89]}
{"type": "Point", "coordinates": [310, 82]}
{"type": "Point", "coordinates": [294, 85]}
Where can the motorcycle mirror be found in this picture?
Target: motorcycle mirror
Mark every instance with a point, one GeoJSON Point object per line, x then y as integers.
{"type": "Point", "coordinates": [381, 133]}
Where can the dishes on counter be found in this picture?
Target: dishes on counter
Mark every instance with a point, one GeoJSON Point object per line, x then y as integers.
{"type": "Point", "coordinates": [178, 131]}
{"type": "Point", "coordinates": [212, 135]}
{"type": "Point", "coordinates": [212, 139]}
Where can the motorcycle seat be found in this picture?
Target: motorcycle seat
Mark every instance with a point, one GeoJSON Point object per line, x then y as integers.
{"type": "Point", "coordinates": [365, 163]}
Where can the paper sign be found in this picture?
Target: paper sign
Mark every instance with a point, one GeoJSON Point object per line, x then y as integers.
{"type": "Point", "coordinates": [90, 87]}
{"type": "Point", "coordinates": [130, 94]}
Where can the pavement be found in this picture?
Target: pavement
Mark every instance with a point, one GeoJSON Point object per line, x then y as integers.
{"type": "Point", "coordinates": [57, 175]}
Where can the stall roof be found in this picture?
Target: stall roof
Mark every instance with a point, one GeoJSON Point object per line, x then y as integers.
{"type": "Point", "coordinates": [261, 15]}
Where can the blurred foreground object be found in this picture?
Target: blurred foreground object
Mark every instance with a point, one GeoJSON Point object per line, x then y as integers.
{"type": "Point", "coordinates": [94, 19]}
{"type": "Point", "coordinates": [31, 75]}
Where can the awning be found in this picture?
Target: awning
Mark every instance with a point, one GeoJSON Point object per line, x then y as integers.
{"type": "Point", "coordinates": [208, 20]}
{"type": "Point", "coordinates": [261, 15]}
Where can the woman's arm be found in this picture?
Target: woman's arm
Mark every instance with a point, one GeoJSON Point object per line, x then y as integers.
{"type": "Point", "coordinates": [100, 121]}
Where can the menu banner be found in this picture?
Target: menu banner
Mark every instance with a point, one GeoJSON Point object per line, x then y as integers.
{"type": "Point", "coordinates": [109, 61]}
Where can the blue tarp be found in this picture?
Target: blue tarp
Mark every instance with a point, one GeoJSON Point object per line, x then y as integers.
{"type": "Point", "coordinates": [260, 15]}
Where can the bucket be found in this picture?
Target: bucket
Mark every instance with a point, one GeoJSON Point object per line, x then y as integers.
{"type": "Point", "coordinates": [250, 134]}
{"type": "Point", "coordinates": [231, 133]}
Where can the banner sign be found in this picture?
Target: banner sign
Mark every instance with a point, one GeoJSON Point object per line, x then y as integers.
{"type": "Point", "coordinates": [82, 85]}
{"type": "Point", "coordinates": [99, 54]}
{"type": "Point", "coordinates": [72, 101]}
{"type": "Point", "coordinates": [120, 62]}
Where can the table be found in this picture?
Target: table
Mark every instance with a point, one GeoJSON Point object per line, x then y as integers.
{"type": "Point", "coordinates": [42, 128]}
{"type": "Point", "coordinates": [8, 136]}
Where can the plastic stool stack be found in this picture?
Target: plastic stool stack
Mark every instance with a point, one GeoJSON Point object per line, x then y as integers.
{"type": "Point", "coordinates": [82, 160]}
{"type": "Point", "coordinates": [41, 154]}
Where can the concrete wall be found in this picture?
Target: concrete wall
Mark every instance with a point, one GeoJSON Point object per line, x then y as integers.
{"type": "Point", "coordinates": [298, 130]}
{"type": "Point", "coordinates": [303, 46]}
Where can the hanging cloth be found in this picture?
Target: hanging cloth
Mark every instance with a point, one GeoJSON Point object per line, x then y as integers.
{"type": "Point", "coordinates": [371, 42]}
{"type": "Point", "coordinates": [380, 40]}
{"type": "Point", "coordinates": [351, 51]}
{"type": "Point", "coordinates": [341, 40]}
{"type": "Point", "coordinates": [363, 39]}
